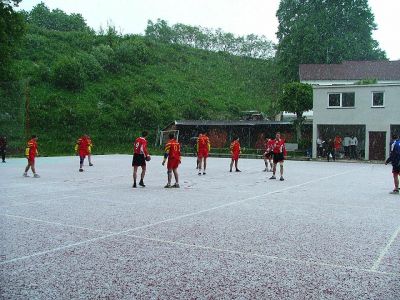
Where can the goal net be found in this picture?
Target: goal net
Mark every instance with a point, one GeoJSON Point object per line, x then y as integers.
{"type": "Point", "coordinates": [164, 136]}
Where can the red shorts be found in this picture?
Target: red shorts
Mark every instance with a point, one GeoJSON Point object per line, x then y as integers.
{"type": "Point", "coordinates": [83, 153]}
{"type": "Point", "coordinates": [235, 156]}
{"type": "Point", "coordinates": [173, 163]}
{"type": "Point", "coordinates": [202, 153]}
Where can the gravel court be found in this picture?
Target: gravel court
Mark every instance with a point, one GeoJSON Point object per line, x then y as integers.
{"type": "Point", "coordinates": [220, 211]}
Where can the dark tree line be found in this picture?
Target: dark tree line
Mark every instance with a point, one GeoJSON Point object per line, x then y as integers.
{"type": "Point", "coordinates": [252, 45]}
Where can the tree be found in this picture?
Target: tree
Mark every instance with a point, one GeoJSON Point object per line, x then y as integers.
{"type": "Point", "coordinates": [315, 31]}
{"type": "Point", "coordinates": [12, 28]}
{"type": "Point", "coordinates": [296, 98]}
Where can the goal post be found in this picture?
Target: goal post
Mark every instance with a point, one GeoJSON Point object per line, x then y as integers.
{"type": "Point", "coordinates": [164, 136]}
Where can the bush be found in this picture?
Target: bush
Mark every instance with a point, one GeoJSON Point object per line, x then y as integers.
{"type": "Point", "coordinates": [132, 52]}
{"type": "Point", "coordinates": [68, 73]}
{"type": "Point", "coordinates": [91, 67]}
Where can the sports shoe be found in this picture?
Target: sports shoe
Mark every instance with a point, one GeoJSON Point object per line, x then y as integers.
{"type": "Point", "coordinates": [90, 165]}
{"type": "Point", "coordinates": [281, 179]}
{"type": "Point", "coordinates": [176, 185]}
{"type": "Point", "coordinates": [204, 173]}
{"type": "Point", "coordinates": [265, 170]}
{"type": "Point", "coordinates": [25, 174]}
{"type": "Point", "coordinates": [36, 175]}
{"type": "Point", "coordinates": [272, 177]}
{"type": "Point", "coordinates": [80, 170]}
{"type": "Point", "coordinates": [168, 186]}
{"type": "Point", "coordinates": [230, 170]}
{"type": "Point", "coordinates": [394, 192]}
{"type": "Point", "coordinates": [237, 170]}
{"type": "Point", "coordinates": [141, 183]}
{"type": "Point", "coordinates": [134, 185]}
{"type": "Point", "coordinates": [199, 173]}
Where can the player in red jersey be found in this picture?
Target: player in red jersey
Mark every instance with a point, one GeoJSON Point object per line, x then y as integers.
{"type": "Point", "coordinates": [82, 149]}
{"type": "Point", "coordinates": [140, 156]}
{"type": "Point", "coordinates": [268, 154]}
{"type": "Point", "coordinates": [203, 148]}
{"type": "Point", "coordinates": [31, 152]}
{"type": "Point", "coordinates": [173, 153]}
{"type": "Point", "coordinates": [90, 151]}
{"type": "Point", "coordinates": [235, 153]}
{"type": "Point", "coordinates": [279, 150]}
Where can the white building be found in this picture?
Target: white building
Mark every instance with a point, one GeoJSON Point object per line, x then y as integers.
{"type": "Point", "coordinates": [342, 106]}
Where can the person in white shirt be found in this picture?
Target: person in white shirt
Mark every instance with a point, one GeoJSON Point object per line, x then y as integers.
{"type": "Point", "coordinates": [353, 147]}
{"type": "Point", "coordinates": [346, 145]}
{"type": "Point", "coordinates": [320, 146]}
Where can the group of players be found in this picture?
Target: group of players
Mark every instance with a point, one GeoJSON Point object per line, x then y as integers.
{"type": "Point", "coordinates": [275, 152]}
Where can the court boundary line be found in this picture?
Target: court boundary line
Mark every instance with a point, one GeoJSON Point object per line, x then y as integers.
{"type": "Point", "coordinates": [385, 250]}
{"type": "Point", "coordinates": [186, 245]}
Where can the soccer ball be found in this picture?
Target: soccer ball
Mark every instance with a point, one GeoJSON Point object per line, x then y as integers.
{"type": "Point", "coordinates": [148, 158]}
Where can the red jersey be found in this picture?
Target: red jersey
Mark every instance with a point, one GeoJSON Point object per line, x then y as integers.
{"type": "Point", "coordinates": [82, 146]}
{"type": "Point", "coordinates": [203, 143]}
{"type": "Point", "coordinates": [173, 149]}
{"type": "Point", "coordinates": [31, 149]}
{"type": "Point", "coordinates": [278, 146]}
{"type": "Point", "coordinates": [140, 146]}
{"type": "Point", "coordinates": [235, 147]}
{"type": "Point", "coordinates": [269, 145]}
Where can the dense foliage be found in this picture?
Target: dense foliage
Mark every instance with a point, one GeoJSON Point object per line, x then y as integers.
{"type": "Point", "coordinates": [112, 86]}
{"type": "Point", "coordinates": [315, 31]}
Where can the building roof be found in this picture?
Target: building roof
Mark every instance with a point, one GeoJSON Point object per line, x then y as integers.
{"type": "Point", "coordinates": [229, 122]}
{"type": "Point", "coordinates": [351, 70]}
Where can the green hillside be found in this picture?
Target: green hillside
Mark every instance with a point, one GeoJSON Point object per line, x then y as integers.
{"type": "Point", "coordinates": [113, 86]}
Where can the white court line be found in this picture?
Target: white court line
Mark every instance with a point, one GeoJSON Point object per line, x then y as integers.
{"type": "Point", "coordinates": [385, 250]}
{"type": "Point", "coordinates": [213, 249]}
{"type": "Point", "coordinates": [172, 219]}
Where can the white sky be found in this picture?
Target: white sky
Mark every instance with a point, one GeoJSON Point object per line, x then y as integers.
{"type": "Point", "coordinates": [236, 16]}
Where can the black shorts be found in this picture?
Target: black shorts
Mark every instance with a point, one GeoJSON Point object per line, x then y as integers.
{"type": "Point", "coordinates": [396, 169]}
{"type": "Point", "coordinates": [268, 155]}
{"type": "Point", "coordinates": [278, 157]}
{"type": "Point", "coordinates": [138, 160]}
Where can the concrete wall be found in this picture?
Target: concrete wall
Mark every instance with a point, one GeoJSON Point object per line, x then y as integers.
{"type": "Point", "coordinates": [375, 119]}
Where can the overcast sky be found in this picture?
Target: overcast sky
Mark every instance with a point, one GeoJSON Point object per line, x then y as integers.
{"type": "Point", "coordinates": [236, 16]}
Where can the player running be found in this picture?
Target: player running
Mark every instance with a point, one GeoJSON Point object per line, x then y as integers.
{"type": "Point", "coordinates": [268, 154]}
{"type": "Point", "coordinates": [82, 149]}
{"type": "Point", "coordinates": [279, 150]}
{"type": "Point", "coordinates": [394, 158]}
{"type": "Point", "coordinates": [235, 153]}
{"type": "Point", "coordinates": [31, 152]}
{"type": "Point", "coordinates": [140, 156]}
{"type": "Point", "coordinates": [203, 148]}
{"type": "Point", "coordinates": [173, 153]}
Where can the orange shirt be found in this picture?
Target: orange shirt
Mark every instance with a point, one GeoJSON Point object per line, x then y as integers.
{"type": "Point", "coordinates": [235, 147]}
{"type": "Point", "coordinates": [173, 149]}
{"type": "Point", "coordinates": [31, 149]}
{"type": "Point", "coordinates": [203, 143]}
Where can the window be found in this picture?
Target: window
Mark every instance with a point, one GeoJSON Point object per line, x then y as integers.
{"type": "Point", "coordinates": [342, 100]}
{"type": "Point", "coordinates": [334, 100]}
{"type": "Point", "coordinates": [377, 99]}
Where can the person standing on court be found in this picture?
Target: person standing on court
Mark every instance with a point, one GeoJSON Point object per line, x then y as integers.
{"type": "Point", "coordinates": [90, 151]}
{"type": "Point", "coordinates": [172, 152]}
{"type": "Point", "coordinates": [140, 156]}
{"type": "Point", "coordinates": [235, 153]}
{"type": "Point", "coordinates": [3, 148]}
{"type": "Point", "coordinates": [82, 150]}
{"type": "Point", "coordinates": [394, 159]}
{"type": "Point", "coordinates": [320, 147]}
{"type": "Point", "coordinates": [31, 152]}
{"type": "Point", "coordinates": [279, 150]}
{"type": "Point", "coordinates": [203, 148]}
